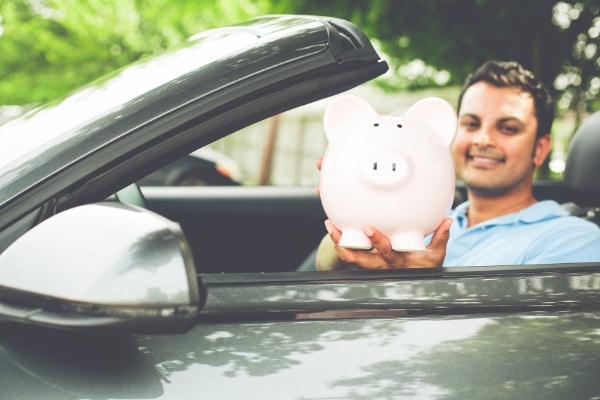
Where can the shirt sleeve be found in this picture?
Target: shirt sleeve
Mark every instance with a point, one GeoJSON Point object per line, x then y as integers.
{"type": "Point", "coordinates": [573, 240]}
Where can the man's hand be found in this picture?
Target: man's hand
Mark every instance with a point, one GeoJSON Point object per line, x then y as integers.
{"type": "Point", "coordinates": [382, 256]}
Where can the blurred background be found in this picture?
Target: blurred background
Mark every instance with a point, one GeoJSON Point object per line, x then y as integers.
{"type": "Point", "coordinates": [50, 47]}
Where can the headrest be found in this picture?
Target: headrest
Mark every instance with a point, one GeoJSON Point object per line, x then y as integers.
{"type": "Point", "coordinates": [582, 171]}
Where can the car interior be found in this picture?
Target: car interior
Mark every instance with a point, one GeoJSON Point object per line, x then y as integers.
{"type": "Point", "coordinates": [581, 171]}
{"type": "Point", "coordinates": [274, 229]}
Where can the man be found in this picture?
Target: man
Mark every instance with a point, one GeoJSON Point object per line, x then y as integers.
{"type": "Point", "coordinates": [504, 120]}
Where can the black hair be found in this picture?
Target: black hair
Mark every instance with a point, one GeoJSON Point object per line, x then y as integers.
{"type": "Point", "coordinates": [512, 74]}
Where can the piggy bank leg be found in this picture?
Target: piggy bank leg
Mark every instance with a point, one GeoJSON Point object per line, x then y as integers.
{"type": "Point", "coordinates": [355, 239]}
{"type": "Point", "coordinates": [407, 241]}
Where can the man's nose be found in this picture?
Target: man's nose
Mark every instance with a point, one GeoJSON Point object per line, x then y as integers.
{"type": "Point", "coordinates": [484, 137]}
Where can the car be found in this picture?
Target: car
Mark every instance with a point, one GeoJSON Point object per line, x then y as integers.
{"type": "Point", "coordinates": [204, 166]}
{"type": "Point", "coordinates": [109, 291]}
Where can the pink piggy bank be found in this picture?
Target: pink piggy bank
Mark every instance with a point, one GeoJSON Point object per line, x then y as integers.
{"type": "Point", "coordinates": [394, 173]}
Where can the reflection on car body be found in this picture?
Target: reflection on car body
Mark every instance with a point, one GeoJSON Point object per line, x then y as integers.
{"type": "Point", "coordinates": [262, 329]}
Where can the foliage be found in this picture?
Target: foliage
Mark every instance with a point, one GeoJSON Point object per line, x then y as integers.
{"type": "Point", "coordinates": [49, 47]}
{"type": "Point", "coordinates": [559, 41]}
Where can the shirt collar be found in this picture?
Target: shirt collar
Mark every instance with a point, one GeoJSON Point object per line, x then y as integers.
{"type": "Point", "coordinates": [539, 211]}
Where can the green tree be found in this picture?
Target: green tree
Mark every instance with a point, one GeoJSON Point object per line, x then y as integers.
{"type": "Point", "coordinates": [558, 40]}
{"type": "Point", "coordinates": [49, 47]}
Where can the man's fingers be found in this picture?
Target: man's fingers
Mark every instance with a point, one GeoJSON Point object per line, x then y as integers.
{"type": "Point", "coordinates": [380, 243]}
{"type": "Point", "coordinates": [383, 256]}
{"type": "Point", "coordinates": [441, 235]}
{"type": "Point", "coordinates": [333, 231]}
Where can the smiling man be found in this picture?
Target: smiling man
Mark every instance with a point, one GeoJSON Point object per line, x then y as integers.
{"type": "Point", "coordinates": [505, 115]}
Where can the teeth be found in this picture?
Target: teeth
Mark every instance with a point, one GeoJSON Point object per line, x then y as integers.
{"type": "Point", "coordinates": [484, 159]}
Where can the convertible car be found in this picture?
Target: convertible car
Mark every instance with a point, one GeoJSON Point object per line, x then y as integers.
{"type": "Point", "coordinates": [174, 292]}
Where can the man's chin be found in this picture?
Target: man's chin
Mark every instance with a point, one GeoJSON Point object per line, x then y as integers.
{"type": "Point", "coordinates": [485, 190]}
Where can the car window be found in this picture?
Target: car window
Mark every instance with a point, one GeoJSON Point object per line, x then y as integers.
{"type": "Point", "coordinates": [278, 151]}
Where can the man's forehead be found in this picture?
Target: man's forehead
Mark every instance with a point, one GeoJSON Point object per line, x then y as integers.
{"type": "Point", "coordinates": [483, 99]}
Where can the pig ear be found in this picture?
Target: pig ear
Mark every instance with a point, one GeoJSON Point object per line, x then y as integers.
{"type": "Point", "coordinates": [439, 114]}
{"type": "Point", "coordinates": [343, 109]}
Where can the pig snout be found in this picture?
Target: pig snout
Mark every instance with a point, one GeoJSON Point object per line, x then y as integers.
{"type": "Point", "coordinates": [384, 169]}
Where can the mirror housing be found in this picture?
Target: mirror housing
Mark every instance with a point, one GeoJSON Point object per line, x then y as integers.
{"type": "Point", "coordinates": [104, 265]}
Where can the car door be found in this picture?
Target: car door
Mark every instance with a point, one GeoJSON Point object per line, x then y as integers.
{"type": "Point", "coordinates": [244, 229]}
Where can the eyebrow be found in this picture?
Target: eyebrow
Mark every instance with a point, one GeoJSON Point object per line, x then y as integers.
{"type": "Point", "coordinates": [511, 119]}
{"type": "Point", "coordinates": [468, 115]}
{"type": "Point", "coordinates": [500, 120]}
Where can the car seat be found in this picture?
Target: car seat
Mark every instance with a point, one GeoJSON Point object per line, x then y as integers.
{"type": "Point", "coordinates": [582, 170]}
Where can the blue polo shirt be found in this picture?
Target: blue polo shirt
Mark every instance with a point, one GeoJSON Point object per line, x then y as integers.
{"type": "Point", "coordinates": [543, 233]}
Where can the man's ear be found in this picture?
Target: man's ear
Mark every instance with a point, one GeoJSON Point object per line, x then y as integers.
{"type": "Point", "coordinates": [542, 149]}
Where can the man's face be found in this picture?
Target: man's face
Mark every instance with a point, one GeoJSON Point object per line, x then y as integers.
{"type": "Point", "coordinates": [495, 150]}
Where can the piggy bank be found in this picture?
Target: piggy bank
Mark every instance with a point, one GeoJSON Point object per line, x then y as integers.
{"type": "Point", "coordinates": [394, 173]}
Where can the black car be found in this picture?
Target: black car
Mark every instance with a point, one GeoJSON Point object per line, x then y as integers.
{"type": "Point", "coordinates": [204, 166]}
{"type": "Point", "coordinates": [112, 292]}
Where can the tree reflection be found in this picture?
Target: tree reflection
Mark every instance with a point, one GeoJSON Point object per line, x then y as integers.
{"type": "Point", "coordinates": [485, 337]}
{"type": "Point", "coordinates": [41, 363]}
{"type": "Point", "coordinates": [530, 356]}
{"type": "Point", "coordinates": [522, 357]}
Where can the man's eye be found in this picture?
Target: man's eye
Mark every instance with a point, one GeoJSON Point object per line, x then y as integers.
{"type": "Point", "coordinates": [469, 125]}
{"type": "Point", "coordinates": [509, 129]}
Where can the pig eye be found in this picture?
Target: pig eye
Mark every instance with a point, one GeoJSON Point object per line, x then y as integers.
{"type": "Point", "coordinates": [399, 125]}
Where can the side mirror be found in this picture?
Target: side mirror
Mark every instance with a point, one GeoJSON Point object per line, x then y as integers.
{"type": "Point", "coordinates": [104, 265]}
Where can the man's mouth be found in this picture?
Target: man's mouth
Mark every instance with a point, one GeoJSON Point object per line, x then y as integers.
{"type": "Point", "coordinates": [484, 160]}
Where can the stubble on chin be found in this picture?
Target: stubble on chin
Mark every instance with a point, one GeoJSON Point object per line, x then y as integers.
{"type": "Point", "coordinates": [479, 182]}
{"type": "Point", "coordinates": [486, 191]}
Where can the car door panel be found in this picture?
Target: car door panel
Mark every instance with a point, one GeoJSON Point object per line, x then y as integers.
{"type": "Point", "coordinates": [259, 228]}
{"type": "Point", "coordinates": [244, 229]}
